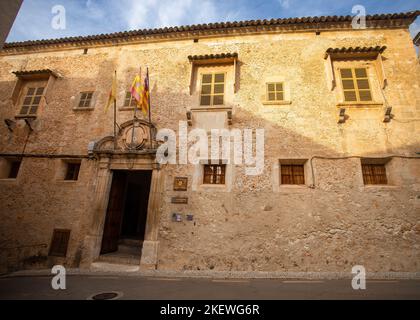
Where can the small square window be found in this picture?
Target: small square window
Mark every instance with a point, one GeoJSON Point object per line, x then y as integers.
{"type": "Point", "coordinates": [292, 174]}
{"type": "Point", "coordinates": [374, 173]}
{"type": "Point", "coordinates": [59, 243]}
{"type": "Point", "coordinates": [214, 174]}
{"type": "Point", "coordinates": [72, 171]}
{"type": "Point", "coordinates": [355, 84]}
{"type": "Point", "coordinates": [9, 168]}
{"type": "Point", "coordinates": [85, 99]}
{"type": "Point", "coordinates": [14, 169]}
{"type": "Point", "coordinates": [275, 91]}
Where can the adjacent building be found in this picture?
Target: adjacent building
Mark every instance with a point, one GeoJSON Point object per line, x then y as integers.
{"type": "Point", "coordinates": [339, 108]}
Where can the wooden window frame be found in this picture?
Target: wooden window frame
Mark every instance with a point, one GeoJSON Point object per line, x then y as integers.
{"type": "Point", "coordinates": [295, 179]}
{"type": "Point", "coordinates": [374, 174]}
{"type": "Point", "coordinates": [356, 89]}
{"type": "Point", "coordinates": [212, 94]}
{"type": "Point", "coordinates": [268, 91]}
{"type": "Point", "coordinates": [211, 178]}
{"type": "Point", "coordinates": [83, 100]}
{"type": "Point", "coordinates": [32, 97]}
{"type": "Point", "coordinates": [59, 243]}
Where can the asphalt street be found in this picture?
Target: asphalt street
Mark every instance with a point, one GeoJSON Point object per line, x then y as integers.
{"type": "Point", "coordinates": [82, 287]}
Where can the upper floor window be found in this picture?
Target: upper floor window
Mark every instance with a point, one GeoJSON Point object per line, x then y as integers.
{"type": "Point", "coordinates": [355, 84]}
{"type": "Point", "coordinates": [275, 91]}
{"type": "Point", "coordinates": [214, 174]}
{"type": "Point", "coordinates": [212, 89]}
{"type": "Point", "coordinates": [31, 101]}
{"type": "Point", "coordinates": [129, 101]}
{"type": "Point", "coordinates": [85, 99]}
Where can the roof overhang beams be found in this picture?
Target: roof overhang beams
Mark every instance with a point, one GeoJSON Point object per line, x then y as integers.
{"type": "Point", "coordinates": [354, 53]}
{"type": "Point", "coordinates": [35, 74]}
{"type": "Point", "coordinates": [223, 58]}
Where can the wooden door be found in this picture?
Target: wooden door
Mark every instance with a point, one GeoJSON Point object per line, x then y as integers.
{"type": "Point", "coordinates": [114, 213]}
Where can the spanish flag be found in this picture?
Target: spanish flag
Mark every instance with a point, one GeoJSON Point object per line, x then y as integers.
{"type": "Point", "coordinates": [113, 93]}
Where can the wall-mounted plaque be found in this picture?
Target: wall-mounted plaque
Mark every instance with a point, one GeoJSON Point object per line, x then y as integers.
{"type": "Point", "coordinates": [180, 183]}
{"type": "Point", "coordinates": [179, 200]}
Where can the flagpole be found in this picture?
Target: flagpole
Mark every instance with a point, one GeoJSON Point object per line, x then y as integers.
{"type": "Point", "coordinates": [150, 113]}
{"type": "Point", "coordinates": [115, 113]}
{"type": "Point", "coordinates": [134, 118]}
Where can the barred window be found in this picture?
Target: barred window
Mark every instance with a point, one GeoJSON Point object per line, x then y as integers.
{"type": "Point", "coordinates": [85, 99]}
{"type": "Point", "coordinates": [292, 174]}
{"type": "Point", "coordinates": [374, 174]}
{"type": "Point", "coordinates": [355, 84]}
{"type": "Point", "coordinates": [214, 174]}
{"type": "Point", "coordinates": [275, 91]}
{"type": "Point", "coordinates": [212, 89]}
{"type": "Point", "coordinates": [129, 101]}
{"type": "Point", "coordinates": [31, 101]}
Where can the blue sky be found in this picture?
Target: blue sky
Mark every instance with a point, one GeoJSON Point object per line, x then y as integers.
{"type": "Point", "coordinates": [85, 17]}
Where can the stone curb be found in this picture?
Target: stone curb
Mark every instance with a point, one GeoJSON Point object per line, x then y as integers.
{"type": "Point", "coordinates": [135, 272]}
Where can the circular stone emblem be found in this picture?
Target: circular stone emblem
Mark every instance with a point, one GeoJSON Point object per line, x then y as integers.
{"type": "Point", "coordinates": [135, 137]}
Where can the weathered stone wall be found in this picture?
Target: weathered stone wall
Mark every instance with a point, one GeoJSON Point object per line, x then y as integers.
{"type": "Point", "coordinates": [258, 225]}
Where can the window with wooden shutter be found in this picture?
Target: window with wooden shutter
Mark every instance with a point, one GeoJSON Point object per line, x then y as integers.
{"type": "Point", "coordinates": [31, 101]}
{"type": "Point", "coordinates": [214, 174]}
{"type": "Point", "coordinates": [374, 174]}
{"type": "Point", "coordinates": [129, 101]}
{"type": "Point", "coordinates": [59, 243]}
{"type": "Point", "coordinates": [275, 91]}
{"type": "Point", "coordinates": [85, 99]}
{"type": "Point", "coordinates": [292, 174]}
{"type": "Point", "coordinates": [355, 83]}
{"type": "Point", "coordinates": [212, 89]}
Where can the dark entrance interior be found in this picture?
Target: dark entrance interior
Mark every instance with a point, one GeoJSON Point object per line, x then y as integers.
{"type": "Point", "coordinates": [126, 215]}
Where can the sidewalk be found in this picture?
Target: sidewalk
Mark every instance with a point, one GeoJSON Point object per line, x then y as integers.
{"type": "Point", "coordinates": [104, 269]}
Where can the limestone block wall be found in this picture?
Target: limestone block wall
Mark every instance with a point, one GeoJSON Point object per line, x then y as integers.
{"type": "Point", "coordinates": [258, 224]}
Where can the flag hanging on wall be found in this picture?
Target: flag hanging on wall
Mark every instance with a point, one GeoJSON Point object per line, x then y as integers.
{"type": "Point", "coordinates": [146, 94]}
{"type": "Point", "coordinates": [137, 89]}
{"type": "Point", "coordinates": [113, 93]}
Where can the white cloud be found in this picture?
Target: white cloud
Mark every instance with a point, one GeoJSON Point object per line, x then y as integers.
{"type": "Point", "coordinates": [285, 4]}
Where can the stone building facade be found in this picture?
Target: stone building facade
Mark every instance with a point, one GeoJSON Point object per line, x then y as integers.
{"type": "Point", "coordinates": [340, 109]}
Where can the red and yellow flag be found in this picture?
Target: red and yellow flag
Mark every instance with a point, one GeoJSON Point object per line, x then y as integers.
{"type": "Point", "coordinates": [146, 94]}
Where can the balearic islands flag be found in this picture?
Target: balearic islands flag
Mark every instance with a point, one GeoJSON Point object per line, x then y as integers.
{"type": "Point", "coordinates": [137, 92]}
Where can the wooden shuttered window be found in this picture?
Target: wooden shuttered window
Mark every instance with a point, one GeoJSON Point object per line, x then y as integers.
{"type": "Point", "coordinates": [129, 101]}
{"type": "Point", "coordinates": [85, 99]}
{"type": "Point", "coordinates": [356, 86]}
{"type": "Point", "coordinates": [214, 174]}
{"type": "Point", "coordinates": [292, 174]}
{"type": "Point", "coordinates": [59, 243]}
{"type": "Point", "coordinates": [31, 101]}
{"type": "Point", "coordinates": [275, 91]}
{"type": "Point", "coordinates": [212, 89]}
{"type": "Point", "coordinates": [374, 174]}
